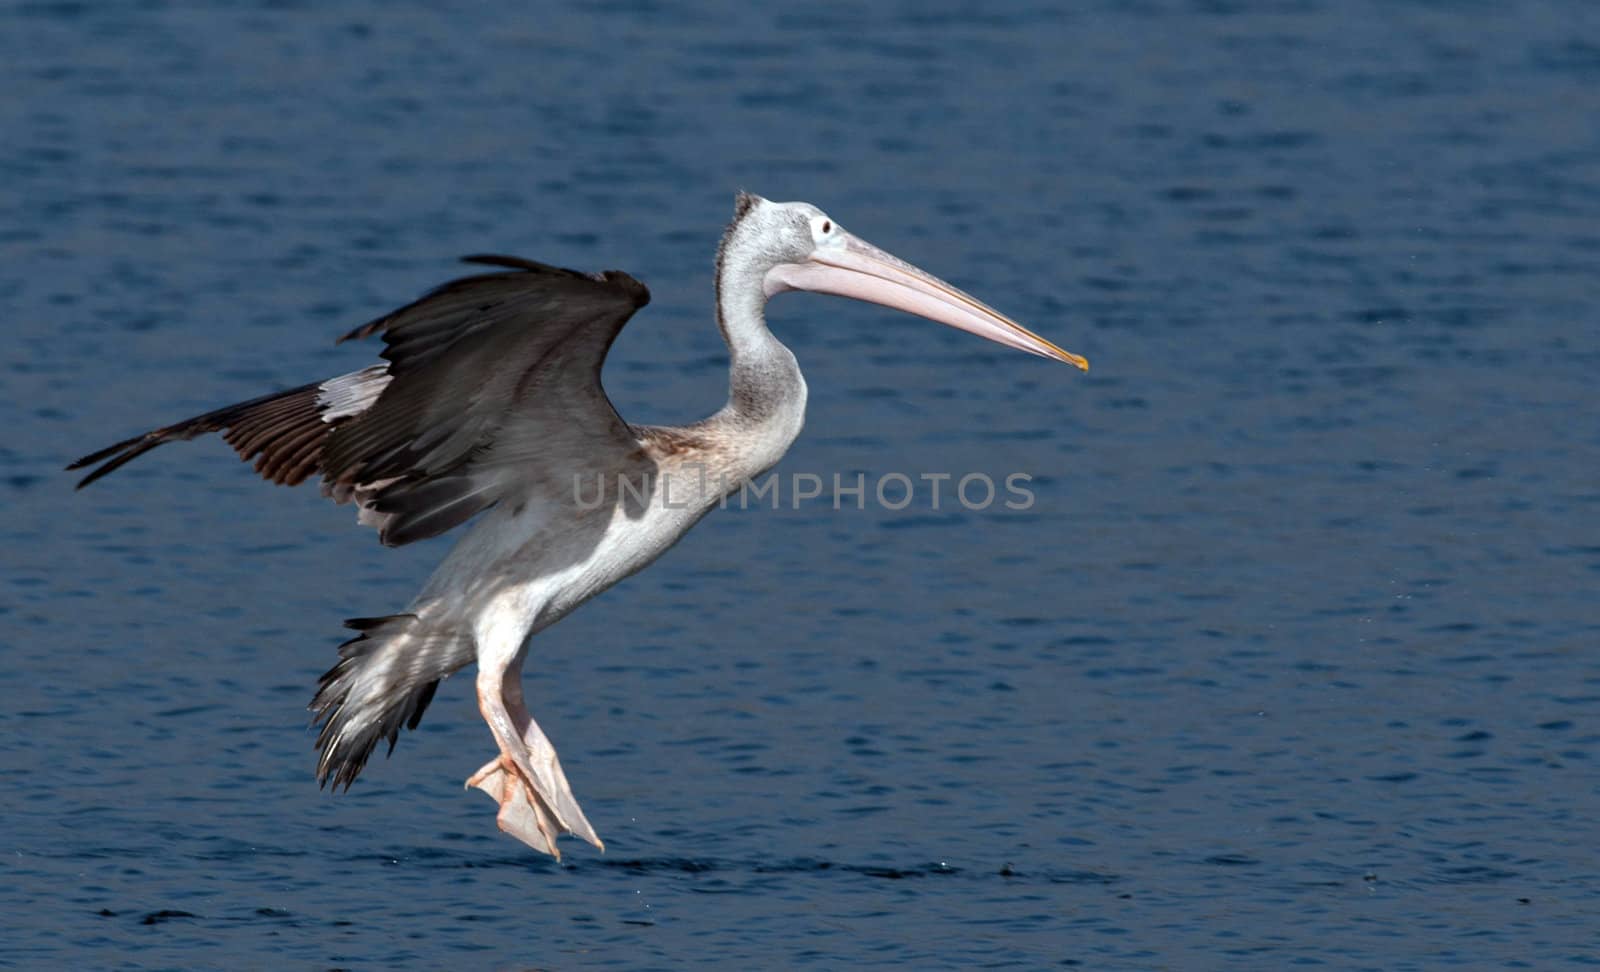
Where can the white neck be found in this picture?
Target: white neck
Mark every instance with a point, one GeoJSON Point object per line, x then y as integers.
{"type": "Point", "coordinates": [766, 392]}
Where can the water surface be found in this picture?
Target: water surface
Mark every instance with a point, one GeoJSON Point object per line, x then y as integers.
{"type": "Point", "coordinates": [1291, 663]}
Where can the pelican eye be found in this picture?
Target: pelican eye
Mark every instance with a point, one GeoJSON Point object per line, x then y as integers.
{"type": "Point", "coordinates": [827, 227]}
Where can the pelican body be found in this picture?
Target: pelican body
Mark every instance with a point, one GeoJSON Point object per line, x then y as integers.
{"type": "Point", "coordinates": [488, 408]}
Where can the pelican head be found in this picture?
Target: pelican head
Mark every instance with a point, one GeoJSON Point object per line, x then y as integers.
{"type": "Point", "coordinates": [796, 246]}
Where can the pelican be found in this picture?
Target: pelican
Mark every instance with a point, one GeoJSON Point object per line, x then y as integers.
{"type": "Point", "coordinates": [488, 405]}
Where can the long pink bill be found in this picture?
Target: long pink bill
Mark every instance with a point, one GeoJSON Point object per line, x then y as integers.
{"type": "Point", "coordinates": [848, 266]}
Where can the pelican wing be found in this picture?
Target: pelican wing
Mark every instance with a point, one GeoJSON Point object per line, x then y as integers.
{"type": "Point", "coordinates": [482, 373]}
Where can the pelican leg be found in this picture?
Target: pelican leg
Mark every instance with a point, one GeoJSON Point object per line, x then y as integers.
{"type": "Point", "coordinates": [526, 779]}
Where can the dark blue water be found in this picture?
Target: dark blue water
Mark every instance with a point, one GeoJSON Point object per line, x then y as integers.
{"type": "Point", "coordinates": [1293, 662]}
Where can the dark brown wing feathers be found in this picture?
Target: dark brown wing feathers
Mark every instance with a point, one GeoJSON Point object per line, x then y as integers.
{"type": "Point", "coordinates": [447, 353]}
{"type": "Point", "coordinates": [459, 357]}
{"type": "Point", "coordinates": [424, 329]}
{"type": "Point", "coordinates": [273, 429]}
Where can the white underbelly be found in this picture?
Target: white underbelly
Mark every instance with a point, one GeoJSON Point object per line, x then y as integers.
{"type": "Point", "coordinates": [627, 546]}
{"type": "Point", "coordinates": [516, 572]}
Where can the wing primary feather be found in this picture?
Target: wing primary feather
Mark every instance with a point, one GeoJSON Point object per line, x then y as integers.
{"type": "Point", "coordinates": [272, 416]}
{"type": "Point", "coordinates": [138, 448]}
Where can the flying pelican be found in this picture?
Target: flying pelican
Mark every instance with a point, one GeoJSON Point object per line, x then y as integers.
{"type": "Point", "coordinates": [489, 401]}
